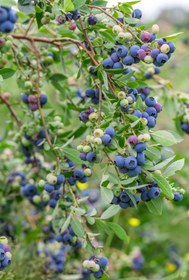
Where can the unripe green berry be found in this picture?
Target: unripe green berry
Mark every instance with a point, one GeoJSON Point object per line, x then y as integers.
{"type": "Point", "coordinates": [28, 85]}
{"type": "Point", "coordinates": [96, 267]}
{"type": "Point", "coordinates": [121, 36]}
{"type": "Point", "coordinates": [165, 48]}
{"type": "Point", "coordinates": [124, 102]}
{"type": "Point", "coordinates": [93, 116]}
{"type": "Point", "coordinates": [97, 141]}
{"type": "Point", "coordinates": [8, 44]}
{"type": "Point", "coordinates": [157, 172]}
{"type": "Point", "coordinates": [151, 71]}
{"type": "Point", "coordinates": [121, 95]}
{"type": "Point", "coordinates": [45, 196]}
{"type": "Point", "coordinates": [60, 131]}
{"type": "Point", "coordinates": [148, 59]}
{"type": "Point", "coordinates": [36, 199]}
{"type": "Point", "coordinates": [88, 172]}
{"type": "Point", "coordinates": [3, 240]}
{"type": "Point", "coordinates": [98, 132]}
{"type": "Point", "coordinates": [155, 29]}
{"type": "Point", "coordinates": [51, 179]}
{"type": "Point", "coordinates": [80, 148]}
{"type": "Point", "coordinates": [57, 119]}
{"type": "Point", "coordinates": [8, 254]}
{"type": "Point", "coordinates": [144, 137]}
{"type": "Point", "coordinates": [85, 264]}
{"type": "Point", "coordinates": [117, 29]}
{"type": "Point", "coordinates": [144, 121]}
{"type": "Point", "coordinates": [41, 183]}
{"type": "Point", "coordinates": [128, 36]}
{"type": "Point", "coordinates": [25, 142]}
{"type": "Point", "coordinates": [86, 149]}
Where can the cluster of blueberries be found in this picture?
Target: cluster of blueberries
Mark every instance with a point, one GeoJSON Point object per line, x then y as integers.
{"type": "Point", "coordinates": [96, 266]}
{"type": "Point", "coordinates": [78, 175]}
{"type": "Point", "coordinates": [151, 105]}
{"type": "Point", "coordinates": [185, 127]}
{"type": "Point", "coordinates": [125, 201]}
{"type": "Point", "coordinates": [150, 192]}
{"type": "Point", "coordinates": [5, 254]}
{"type": "Point", "coordinates": [132, 165]}
{"type": "Point", "coordinates": [68, 237]}
{"type": "Point", "coordinates": [36, 140]}
{"type": "Point", "coordinates": [7, 19]}
{"type": "Point", "coordinates": [31, 100]}
{"type": "Point", "coordinates": [17, 175]}
{"type": "Point", "coordinates": [52, 187]}
{"type": "Point", "coordinates": [55, 254]}
{"type": "Point", "coordinates": [124, 56]}
{"type": "Point", "coordinates": [149, 74]}
{"type": "Point", "coordinates": [84, 115]}
{"type": "Point", "coordinates": [73, 15]}
{"type": "Point", "coordinates": [93, 94]}
{"type": "Point", "coordinates": [104, 138]}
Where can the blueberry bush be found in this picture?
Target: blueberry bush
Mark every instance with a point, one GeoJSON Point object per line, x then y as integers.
{"type": "Point", "coordinates": [80, 87]}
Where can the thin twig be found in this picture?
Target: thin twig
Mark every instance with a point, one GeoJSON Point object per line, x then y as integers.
{"type": "Point", "coordinates": [13, 113]}
{"type": "Point", "coordinates": [100, 102]}
{"type": "Point", "coordinates": [86, 36]}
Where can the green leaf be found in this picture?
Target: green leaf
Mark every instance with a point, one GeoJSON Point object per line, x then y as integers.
{"type": "Point", "coordinates": [58, 77]}
{"type": "Point", "coordinates": [173, 36]}
{"type": "Point", "coordinates": [66, 224]}
{"type": "Point", "coordinates": [78, 3]}
{"type": "Point", "coordinates": [7, 73]}
{"type": "Point", "coordinates": [26, 6]}
{"type": "Point", "coordinates": [68, 5]}
{"type": "Point", "coordinates": [174, 167]}
{"type": "Point", "coordinates": [155, 206]}
{"type": "Point", "coordinates": [152, 153]}
{"type": "Point", "coordinates": [105, 79]}
{"type": "Point", "coordinates": [72, 155]}
{"type": "Point", "coordinates": [111, 211]}
{"type": "Point", "coordinates": [106, 195]}
{"type": "Point", "coordinates": [161, 164]}
{"type": "Point", "coordinates": [163, 185]}
{"type": "Point", "coordinates": [108, 35]}
{"type": "Point", "coordinates": [119, 231]}
{"type": "Point", "coordinates": [166, 138]}
{"type": "Point", "coordinates": [7, 3]}
{"type": "Point", "coordinates": [77, 227]}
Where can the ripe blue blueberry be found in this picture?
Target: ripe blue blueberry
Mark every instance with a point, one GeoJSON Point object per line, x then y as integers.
{"type": "Point", "coordinates": [134, 50]}
{"type": "Point", "coordinates": [141, 158]}
{"type": "Point", "coordinates": [152, 37]}
{"type": "Point", "coordinates": [110, 131]}
{"type": "Point", "coordinates": [103, 262]}
{"type": "Point", "coordinates": [151, 122]}
{"type": "Point", "coordinates": [130, 162]}
{"type": "Point", "coordinates": [172, 47]}
{"type": "Point", "coordinates": [91, 156]}
{"type": "Point", "coordinates": [134, 172]}
{"type": "Point", "coordinates": [140, 147]}
{"type": "Point", "coordinates": [150, 101]}
{"type": "Point", "coordinates": [154, 192]}
{"type": "Point", "coordinates": [124, 197]}
{"type": "Point", "coordinates": [136, 199]}
{"type": "Point", "coordinates": [152, 112]}
{"type": "Point", "coordinates": [49, 188]}
{"type": "Point", "coordinates": [118, 65]}
{"type": "Point", "coordinates": [12, 16]}
{"type": "Point", "coordinates": [144, 196]}
{"type": "Point", "coordinates": [90, 92]}
{"type": "Point", "coordinates": [137, 13]}
{"type": "Point", "coordinates": [137, 113]}
{"type": "Point", "coordinates": [154, 53]}
{"type": "Point", "coordinates": [178, 196]}
{"type": "Point", "coordinates": [119, 161]}
{"type": "Point", "coordinates": [122, 51]}
{"type": "Point", "coordinates": [2, 254]}
{"type": "Point", "coordinates": [98, 274]}
{"type": "Point", "coordinates": [83, 156]}
{"type": "Point", "coordinates": [6, 26]}
{"type": "Point", "coordinates": [43, 99]}
{"type": "Point", "coordinates": [3, 14]}
{"type": "Point", "coordinates": [78, 173]}
{"type": "Point", "coordinates": [25, 98]}
{"type": "Point", "coordinates": [60, 179]}
{"type": "Point", "coordinates": [115, 57]}
{"type": "Point", "coordinates": [128, 60]}
{"type": "Point", "coordinates": [162, 58]}
{"type": "Point", "coordinates": [92, 20]}
{"type": "Point", "coordinates": [108, 63]}
{"type": "Point", "coordinates": [106, 139]}
{"type": "Point", "coordinates": [124, 205]}
{"type": "Point", "coordinates": [52, 203]}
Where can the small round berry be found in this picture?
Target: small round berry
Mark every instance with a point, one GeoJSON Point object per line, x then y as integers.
{"type": "Point", "coordinates": [128, 60]}
{"type": "Point", "coordinates": [145, 36]}
{"type": "Point", "coordinates": [98, 132]}
{"type": "Point", "coordinates": [103, 262]}
{"type": "Point", "coordinates": [155, 28]}
{"type": "Point", "coordinates": [178, 196]}
{"type": "Point", "coordinates": [119, 161]}
{"type": "Point", "coordinates": [51, 179]}
{"type": "Point", "coordinates": [124, 102]}
{"type": "Point", "coordinates": [135, 172]}
{"type": "Point", "coordinates": [92, 20]}
{"type": "Point", "coordinates": [86, 148]}
{"type": "Point", "coordinates": [165, 48]}
{"type": "Point", "coordinates": [150, 101]}
{"type": "Point", "coordinates": [130, 162]}
{"type": "Point", "coordinates": [154, 192]}
{"type": "Point", "coordinates": [151, 122]}
{"type": "Point", "coordinates": [121, 95]}
{"type": "Point", "coordinates": [122, 51]}
{"type": "Point", "coordinates": [110, 131]}
{"type": "Point", "coordinates": [106, 139]}
{"type": "Point", "coordinates": [117, 29]}
{"type": "Point", "coordinates": [137, 13]}
{"type": "Point", "coordinates": [140, 147]}
{"type": "Point", "coordinates": [141, 158]}
{"type": "Point", "coordinates": [108, 63]}
{"type": "Point", "coordinates": [91, 157]}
